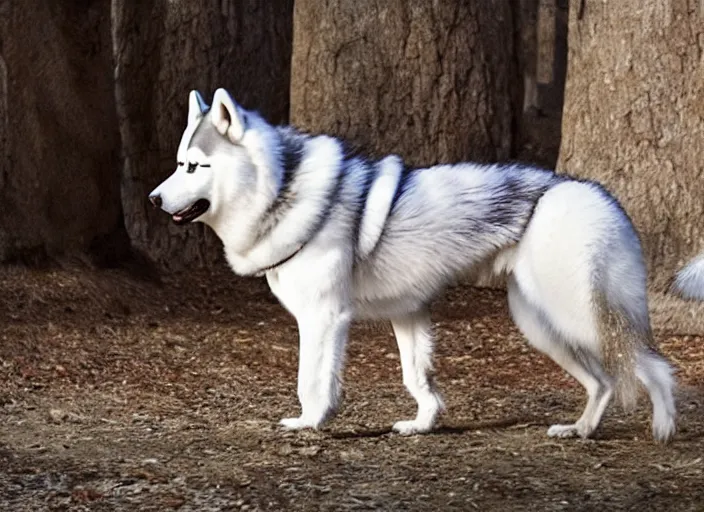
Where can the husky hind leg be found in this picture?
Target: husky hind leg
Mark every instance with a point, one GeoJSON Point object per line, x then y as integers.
{"type": "Point", "coordinates": [656, 375]}
{"type": "Point", "coordinates": [627, 345]}
{"type": "Point", "coordinates": [415, 344]}
{"type": "Point", "coordinates": [583, 367]}
{"type": "Point", "coordinates": [590, 289]}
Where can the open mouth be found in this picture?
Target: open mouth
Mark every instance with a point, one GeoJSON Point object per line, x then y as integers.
{"type": "Point", "coordinates": [192, 212]}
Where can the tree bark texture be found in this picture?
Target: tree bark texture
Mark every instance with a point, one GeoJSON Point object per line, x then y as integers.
{"type": "Point", "coordinates": [59, 141]}
{"type": "Point", "coordinates": [634, 118]}
{"type": "Point", "coordinates": [163, 49]}
{"type": "Point", "coordinates": [430, 81]}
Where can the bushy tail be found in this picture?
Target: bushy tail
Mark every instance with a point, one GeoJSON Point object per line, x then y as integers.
{"type": "Point", "coordinates": [630, 356]}
{"type": "Point", "coordinates": [689, 281]}
{"type": "Point", "coordinates": [622, 339]}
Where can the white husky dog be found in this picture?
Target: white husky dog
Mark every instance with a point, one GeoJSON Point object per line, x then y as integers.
{"type": "Point", "coordinates": [339, 237]}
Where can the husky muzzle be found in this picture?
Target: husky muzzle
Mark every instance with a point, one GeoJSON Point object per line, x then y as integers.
{"type": "Point", "coordinates": [186, 215]}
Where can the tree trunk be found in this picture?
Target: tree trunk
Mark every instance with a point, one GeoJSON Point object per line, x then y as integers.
{"type": "Point", "coordinates": [633, 115]}
{"type": "Point", "coordinates": [542, 51]}
{"type": "Point", "coordinates": [59, 142]}
{"type": "Point", "coordinates": [430, 81]}
{"type": "Point", "coordinates": [163, 49]}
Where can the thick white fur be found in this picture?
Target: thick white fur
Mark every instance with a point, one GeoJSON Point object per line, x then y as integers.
{"type": "Point", "coordinates": [378, 204]}
{"type": "Point", "coordinates": [575, 243]}
{"type": "Point", "coordinates": [318, 174]}
{"type": "Point", "coordinates": [551, 300]}
{"type": "Point", "coordinates": [689, 281]}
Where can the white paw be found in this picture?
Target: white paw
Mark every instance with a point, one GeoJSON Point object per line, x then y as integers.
{"type": "Point", "coordinates": [295, 423]}
{"type": "Point", "coordinates": [563, 431]}
{"type": "Point", "coordinates": [573, 430]}
{"type": "Point", "coordinates": [410, 427]}
{"type": "Point", "coordinates": [664, 428]}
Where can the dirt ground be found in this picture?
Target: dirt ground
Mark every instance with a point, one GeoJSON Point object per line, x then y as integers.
{"type": "Point", "coordinates": [123, 396]}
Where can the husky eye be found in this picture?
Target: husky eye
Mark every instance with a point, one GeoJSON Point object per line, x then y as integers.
{"type": "Point", "coordinates": [191, 167]}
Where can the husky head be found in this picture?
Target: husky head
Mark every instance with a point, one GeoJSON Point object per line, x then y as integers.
{"type": "Point", "coordinates": [215, 169]}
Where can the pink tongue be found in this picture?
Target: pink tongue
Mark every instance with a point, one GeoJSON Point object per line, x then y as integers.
{"type": "Point", "coordinates": [177, 217]}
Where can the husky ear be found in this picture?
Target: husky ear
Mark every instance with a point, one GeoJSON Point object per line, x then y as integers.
{"type": "Point", "coordinates": [228, 117]}
{"type": "Point", "coordinates": [196, 106]}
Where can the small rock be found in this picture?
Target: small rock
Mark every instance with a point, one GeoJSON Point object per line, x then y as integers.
{"type": "Point", "coordinates": [57, 415]}
{"type": "Point", "coordinates": [286, 449]}
{"type": "Point", "coordinates": [74, 418]}
{"type": "Point", "coordinates": [310, 451]}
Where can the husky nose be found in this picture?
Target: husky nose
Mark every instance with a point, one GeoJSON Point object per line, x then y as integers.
{"type": "Point", "coordinates": [156, 201]}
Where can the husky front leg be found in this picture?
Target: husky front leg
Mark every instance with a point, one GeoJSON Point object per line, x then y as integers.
{"type": "Point", "coordinates": [323, 335]}
{"type": "Point", "coordinates": [415, 344]}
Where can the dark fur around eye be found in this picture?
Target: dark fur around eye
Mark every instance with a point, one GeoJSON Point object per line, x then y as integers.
{"type": "Point", "coordinates": [191, 167]}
